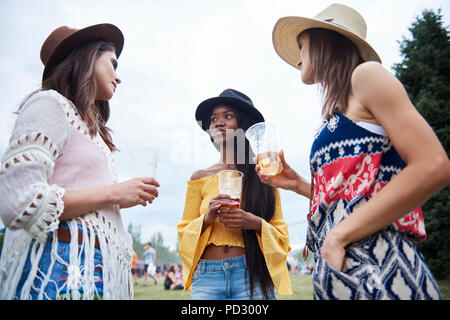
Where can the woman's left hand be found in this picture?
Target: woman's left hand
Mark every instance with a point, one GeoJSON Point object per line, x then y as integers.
{"type": "Point", "coordinates": [236, 218]}
{"type": "Point", "coordinates": [333, 251]}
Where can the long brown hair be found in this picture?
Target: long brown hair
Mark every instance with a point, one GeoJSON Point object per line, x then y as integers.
{"type": "Point", "coordinates": [74, 78]}
{"type": "Point", "coordinates": [333, 58]}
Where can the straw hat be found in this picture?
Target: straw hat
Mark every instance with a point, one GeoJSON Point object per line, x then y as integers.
{"type": "Point", "coordinates": [64, 39]}
{"type": "Point", "coordinates": [336, 17]}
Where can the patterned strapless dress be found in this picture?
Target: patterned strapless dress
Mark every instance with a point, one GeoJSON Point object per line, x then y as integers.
{"type": "Point", "coordinates": [349, 165]}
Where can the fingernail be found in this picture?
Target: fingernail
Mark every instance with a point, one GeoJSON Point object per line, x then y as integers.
{"type": "Point", "coordinates": [236, 203]}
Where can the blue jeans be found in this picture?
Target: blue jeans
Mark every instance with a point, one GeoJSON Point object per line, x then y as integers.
{"type": "Point", "coordinates": [55, 288]}
{"type": "Point", "coordinates": [225, 279]}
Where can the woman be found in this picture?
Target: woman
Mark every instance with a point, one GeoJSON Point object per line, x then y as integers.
{"type": "Point", "coordinates": [149, 263]}
{"type": "Point", "coordinates": [171, 282]}
{"type": "Point", "coordinates": [59, 189]}
{"type": "Point", "coordinates": [216, 254]}
{"type": "Point", "coordinates": [369, 175]}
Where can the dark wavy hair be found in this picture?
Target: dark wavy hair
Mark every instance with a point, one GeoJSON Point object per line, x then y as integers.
{"type": "Point", "coordinates": [74, 78]}
{"type": "Point", "coordinates": [257, 198]}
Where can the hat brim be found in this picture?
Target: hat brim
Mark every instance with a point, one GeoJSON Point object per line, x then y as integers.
{"type": "Point", "coordinates": [286, 30]}
{"type": "Point", "coordinates": [204, 110]}
{"type": "Point", "coordinates": [104, 31]}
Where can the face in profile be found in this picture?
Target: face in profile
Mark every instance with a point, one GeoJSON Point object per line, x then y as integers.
{"type": "Point", "coordinates": [105, 74]}
{"type": "Point", "coordinates": [305, 61]}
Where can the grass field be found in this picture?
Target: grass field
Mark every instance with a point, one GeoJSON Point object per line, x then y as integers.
{"type": "Point", "coordinates": [301, 285]}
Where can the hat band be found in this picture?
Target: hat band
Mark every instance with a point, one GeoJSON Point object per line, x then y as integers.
{"type": "Point", "coordinates": [336, 24]}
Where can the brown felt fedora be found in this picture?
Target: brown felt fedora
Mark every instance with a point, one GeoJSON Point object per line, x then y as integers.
{"type": "Point", "coordinates": [64, 39]}
{"type": "Point", "coordinates": [336, 17]}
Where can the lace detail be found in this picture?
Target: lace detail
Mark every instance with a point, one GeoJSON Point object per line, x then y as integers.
{"type": "Point", "coordinates": [78, 124]}
{"type": "Point", "coordinates": [30, 233]}
{"type": "Point", "coordinates": [42, 215]}
{"type": "Point", "coordinates": [33, 147]}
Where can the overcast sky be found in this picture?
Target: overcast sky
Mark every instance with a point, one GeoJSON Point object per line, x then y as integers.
{"type": "Point", "coordinates": [178, 53]}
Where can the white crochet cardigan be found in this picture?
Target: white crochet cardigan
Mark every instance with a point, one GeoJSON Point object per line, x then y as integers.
{"type": "Point", "coordinates": [50, 151]}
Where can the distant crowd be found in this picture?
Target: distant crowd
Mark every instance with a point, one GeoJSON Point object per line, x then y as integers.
{"type": "Point", "coordinates": [147, 267]}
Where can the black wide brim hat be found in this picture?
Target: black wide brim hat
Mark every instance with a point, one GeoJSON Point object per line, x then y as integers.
{"type": "Point", "coordinates": [232, 98]}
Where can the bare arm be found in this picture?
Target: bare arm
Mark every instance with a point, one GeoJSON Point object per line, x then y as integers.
{"type": "Point", "coordinates": [288, 179]}
{"type": "Point", "coordinates": [127, 194]}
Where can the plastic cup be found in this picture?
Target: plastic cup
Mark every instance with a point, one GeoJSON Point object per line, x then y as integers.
{"type": "Point", "coordinates": [263, 138]}
{"type": "Point", "coordinates": [230, 183]}
{"type": "Point", "coordinates": [145, 160]}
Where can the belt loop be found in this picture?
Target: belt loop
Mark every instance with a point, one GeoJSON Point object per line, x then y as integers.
{"type": "Point", "coordinates": [201, 266]}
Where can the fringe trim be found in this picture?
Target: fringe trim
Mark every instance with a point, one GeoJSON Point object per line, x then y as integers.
{"type": "Point", "coordinates": [80, 284]}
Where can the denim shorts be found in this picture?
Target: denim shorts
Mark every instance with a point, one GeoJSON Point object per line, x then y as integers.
{"type": "Point", "coordinates": [225, 279]}
{"type": "Point", "coordinates": [56, 288]}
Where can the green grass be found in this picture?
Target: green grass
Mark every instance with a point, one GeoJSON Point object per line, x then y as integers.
{"type": "Point", "coordinates": [444, 287]}
{"type": "Point", "coordinates": [301, 285]}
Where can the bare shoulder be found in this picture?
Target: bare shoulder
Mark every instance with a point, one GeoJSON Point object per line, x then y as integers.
{"type": "Point", "coordinates": [199, 174]}
{"type": "Point", "coordinates": [372, 82]}
{"type": "Point", "coordinates": [204, 172]}
{"type": "Point", "coordinates": [370, 71]}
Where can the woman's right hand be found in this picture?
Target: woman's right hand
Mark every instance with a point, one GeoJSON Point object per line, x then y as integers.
{"type": "Point", "coordinates": [214, 205]}
{"type": "Point", "coordinates": [287, 179]}
{"type": "Point", "coordinates": [133, 192]}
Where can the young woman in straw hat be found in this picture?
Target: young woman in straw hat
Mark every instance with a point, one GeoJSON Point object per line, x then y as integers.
{"type": "Point", "coordinates": [60, 194]}
{"type": "Point", "coordinates": [240, 252]}
{"type": "Point", "coordinates": [373, 163]}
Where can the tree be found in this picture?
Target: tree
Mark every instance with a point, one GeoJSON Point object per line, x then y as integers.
{"type": "Point", "coordinates": [163, 253]}
{"type": "Point", "coordinates": [135, 233]}
{"type": "Point", "coordinates": [425, 73]}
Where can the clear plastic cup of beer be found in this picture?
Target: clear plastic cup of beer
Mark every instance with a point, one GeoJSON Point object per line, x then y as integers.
{"type": "Point", "coordinates": [263, 138]}
{"type": "Point", "coordinates": [230, 183]}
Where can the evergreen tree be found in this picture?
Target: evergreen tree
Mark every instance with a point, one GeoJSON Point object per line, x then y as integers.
{"type": "Point", "coordinates": [425, 73]}
{"type": "Point", "coordinates": [163, 253]}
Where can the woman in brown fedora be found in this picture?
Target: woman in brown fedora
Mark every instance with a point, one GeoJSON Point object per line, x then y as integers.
{"type": "Point", "coordinates": [60, 194]}
{"type": "Point", "coordinates": [369, 175]}
{"type": "Point", "coordinates": [232, 248]}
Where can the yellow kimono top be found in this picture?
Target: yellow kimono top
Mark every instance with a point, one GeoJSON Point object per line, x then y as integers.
{"type": "Point", "coordinates": [273, 241]}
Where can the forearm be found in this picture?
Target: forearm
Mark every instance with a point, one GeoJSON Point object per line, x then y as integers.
{"type": "Point", "coordinates": [257, 225]}
{"type": "Point", "coordinates": [82, 201]}
{"type": "Point", "coordinates": [404, 193]}
{"type": "Point", "coordinates": [303, 187]}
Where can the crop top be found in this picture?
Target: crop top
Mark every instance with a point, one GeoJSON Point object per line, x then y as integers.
{"type": "Point", "coordinates": [273, 241]}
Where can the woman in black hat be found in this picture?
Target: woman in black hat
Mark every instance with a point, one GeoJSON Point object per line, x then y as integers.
{"type": "Point", "coordinates": [58, 184]}
{"type": "Point", "coordinates": [232, 253]}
